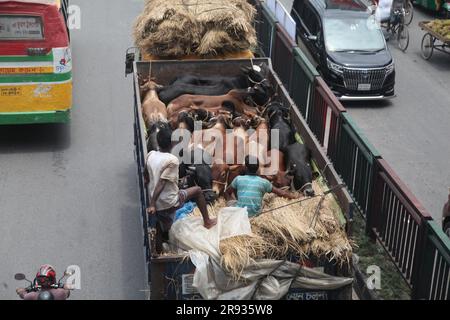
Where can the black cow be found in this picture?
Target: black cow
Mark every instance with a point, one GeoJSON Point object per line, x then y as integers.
{"type": "Point", "coordinates": [278, 120]}
{"type": "Point", "coordinates": [152, 132]}
{"type": "Point", "coordinates": [211, 85]}
{"type": "Point", "coordinates": [298, 163]}
{"type": "Point", "coordinates": [198, 174]}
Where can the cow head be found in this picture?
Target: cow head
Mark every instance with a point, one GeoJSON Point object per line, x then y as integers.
{"type": "Point", "coordinates": [220, 173]}
{"type": "Point", "coordinates": [185, 121]}
{"type": "Point", "coordinates": [152, 133]}
{"type": "Point", "coordinates": [261, 93]}
{"type": "Point", "coordinates": [299, 168]}
{"type": "Point", "coordinates": [302, 178]}
{"type": "Point", "coordinates": [255, 73]}
{"type": "Point", "coordinates": [198, 174]}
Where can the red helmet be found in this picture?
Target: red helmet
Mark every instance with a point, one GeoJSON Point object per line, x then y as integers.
{"type": "Point", "coordinates": [46, 276]}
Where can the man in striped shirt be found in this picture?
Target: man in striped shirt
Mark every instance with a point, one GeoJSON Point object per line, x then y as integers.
{"type": "Point", "coordinates": [250, 189]}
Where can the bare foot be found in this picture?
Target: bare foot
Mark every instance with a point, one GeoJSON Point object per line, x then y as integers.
{"type": "Point", "coordinates": [211, 223]}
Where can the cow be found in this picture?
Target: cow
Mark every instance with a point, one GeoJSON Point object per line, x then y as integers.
{"type": "Point", "coordinates": [275, 169]}
{"type": "Point", "coordinates": [298, 164]}
{"type": "Point", "coordinates": [278, 120]}
{"type": "Point", "coordinates": [153, 110]}
{"type": "Point", "coordinates": [212, 85]}
{"type": "Point", "coordinates": [236, 98]}
{"type": "Point", "coordinates": [199, 174]}
{"type": "Point", "coordinates": [152, 132]}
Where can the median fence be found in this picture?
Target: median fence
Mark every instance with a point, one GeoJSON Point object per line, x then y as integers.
{"type": "Point", "coordinates": [415, 243]}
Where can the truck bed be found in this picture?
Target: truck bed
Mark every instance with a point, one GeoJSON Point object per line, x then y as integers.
{"type": "Point", "coordinates": [164, 72]}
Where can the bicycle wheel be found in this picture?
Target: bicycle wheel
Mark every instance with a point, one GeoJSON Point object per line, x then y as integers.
{"type": "Point", "coordinates": [427, 46]}
{"type": "Point", "coordinates": [409, 12]}
{"type": "Point", "coordinates": [403, 38]}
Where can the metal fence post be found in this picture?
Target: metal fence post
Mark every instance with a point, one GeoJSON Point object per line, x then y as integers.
{"type": "Point", "coordinates": [375, 199]}
{"type": "Point", "coordinates": [420, 283]}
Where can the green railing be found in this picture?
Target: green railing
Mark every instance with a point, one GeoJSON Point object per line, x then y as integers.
{"type": "Point", "coordinates": [393, 215]}
{"type": "Point", "coordinates": [265, 30]}
{"type": "Point", "coordinates": [302, 84]}
{"type": "Point", "coordinates": [355, 160]}
{"type": "Point", "coordinates": [434, 280]}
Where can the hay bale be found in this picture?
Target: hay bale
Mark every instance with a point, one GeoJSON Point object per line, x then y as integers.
{"type": "Point", "coordinates": [294, 230]}
{"type": "Point", "coordinates": [195, 27]}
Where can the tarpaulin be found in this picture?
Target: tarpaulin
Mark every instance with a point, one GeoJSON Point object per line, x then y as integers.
{"type": "Point", "coordinates": [262, 280]}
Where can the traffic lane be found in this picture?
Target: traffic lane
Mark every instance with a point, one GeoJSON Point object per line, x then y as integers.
{"type": "Point", "coordinates": [412, 130]}
{"type": "Point", "coordinates": [78, 204]}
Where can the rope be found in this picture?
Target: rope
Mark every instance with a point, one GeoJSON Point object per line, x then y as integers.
{"type": "Point", "coordinates": [304, 186]}
{"type": "Point", "coordinates": [316, 213]}
{"type": "Point", "coordinates": [339, 186]}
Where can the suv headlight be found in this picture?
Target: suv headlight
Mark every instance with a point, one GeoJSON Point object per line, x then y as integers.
{"type": "Point", "coordinates": [390, 68]}
{"type": "Point", "coordinates": [337, 68]}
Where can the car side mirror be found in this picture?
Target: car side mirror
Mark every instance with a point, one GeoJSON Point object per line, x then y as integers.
{"type": "Point", "coordinates": [19, 276]}
{"type": "Point", "coordinates": [130, 57]}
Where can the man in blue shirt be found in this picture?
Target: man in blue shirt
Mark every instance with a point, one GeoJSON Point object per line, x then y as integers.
{"type": "Point", "coordinates": [250, 189]}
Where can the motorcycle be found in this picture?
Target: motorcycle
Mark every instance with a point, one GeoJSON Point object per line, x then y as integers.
{"type": "Point", "coordinates": [35, 287]}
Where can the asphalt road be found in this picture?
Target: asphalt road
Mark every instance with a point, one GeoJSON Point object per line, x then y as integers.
{"type": "Point", "coordinates": [69, 196]}
{"type": "Point", "coordinates": [412, 131]}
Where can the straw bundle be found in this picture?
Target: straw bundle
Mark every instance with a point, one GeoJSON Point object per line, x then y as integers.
{"type": "Point", "coordinates": [206, 28]}
{"type": "Point", "coordinates": [299, 230]}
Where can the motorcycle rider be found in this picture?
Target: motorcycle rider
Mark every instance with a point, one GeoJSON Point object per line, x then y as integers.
{"type": "Point", "coordinates": [46, 282]}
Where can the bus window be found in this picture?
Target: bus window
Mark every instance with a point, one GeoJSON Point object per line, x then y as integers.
{"type": "Point", "coordinates": [21, 27]}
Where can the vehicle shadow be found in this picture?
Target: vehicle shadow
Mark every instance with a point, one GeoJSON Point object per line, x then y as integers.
{"type": "Point", "coordinates": [34, 138]}
{"type": "Point", "coordinates": [380, 104]}
{"type": "Point", "coordinates": [133, 258]}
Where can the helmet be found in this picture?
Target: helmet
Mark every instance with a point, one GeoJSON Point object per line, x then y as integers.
{"type": "Point", "coordinates": [46, 276]}
{"type": "Point", "coordinates": [46, 295]}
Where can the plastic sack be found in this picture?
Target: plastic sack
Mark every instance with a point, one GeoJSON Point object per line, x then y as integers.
{"type": "Point", "coordinates": [262, 280]}
{"type": "Point", "coordinates": [185, 211]}
{"type": "Point", "coordinates": [190, 234]}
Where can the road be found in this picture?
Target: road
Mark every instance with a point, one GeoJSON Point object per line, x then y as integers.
{"type": "Point", "coordinates": [71, 199]}
{"type": "Point", "coordinates": [412, 131]}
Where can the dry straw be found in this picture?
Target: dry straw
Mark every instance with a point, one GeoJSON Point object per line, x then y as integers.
{"type": "Point", "coordinates": [206, 28]}
{"type": "Point", "coordinates": [288, 232]}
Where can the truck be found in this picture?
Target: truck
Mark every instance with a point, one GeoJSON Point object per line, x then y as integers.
{"type": "Point", "coordinates": [392, 215]}
{"type": "Point", "coordinates": [171, 276]}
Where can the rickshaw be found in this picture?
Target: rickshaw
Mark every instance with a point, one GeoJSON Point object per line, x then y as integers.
{"type": "Point", "coordinates": [434, 39]}
{"type": "Point", "coordinates": [35, 62]}
{"type": "Point", "coordinates": [393, 17]}
{"type": "Point", "coordinates": [439, 6]}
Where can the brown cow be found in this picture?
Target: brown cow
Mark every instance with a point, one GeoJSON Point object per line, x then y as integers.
{"type": "Point", "coordinates": [153, 109]}
{"type": "Point", "coordinates": [275, 170]}
{"type": "Point", "coordinates": [235, 98]}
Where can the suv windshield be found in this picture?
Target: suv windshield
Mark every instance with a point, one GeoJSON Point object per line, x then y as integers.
{"type": "Point", "coordinates": [353, 34]}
